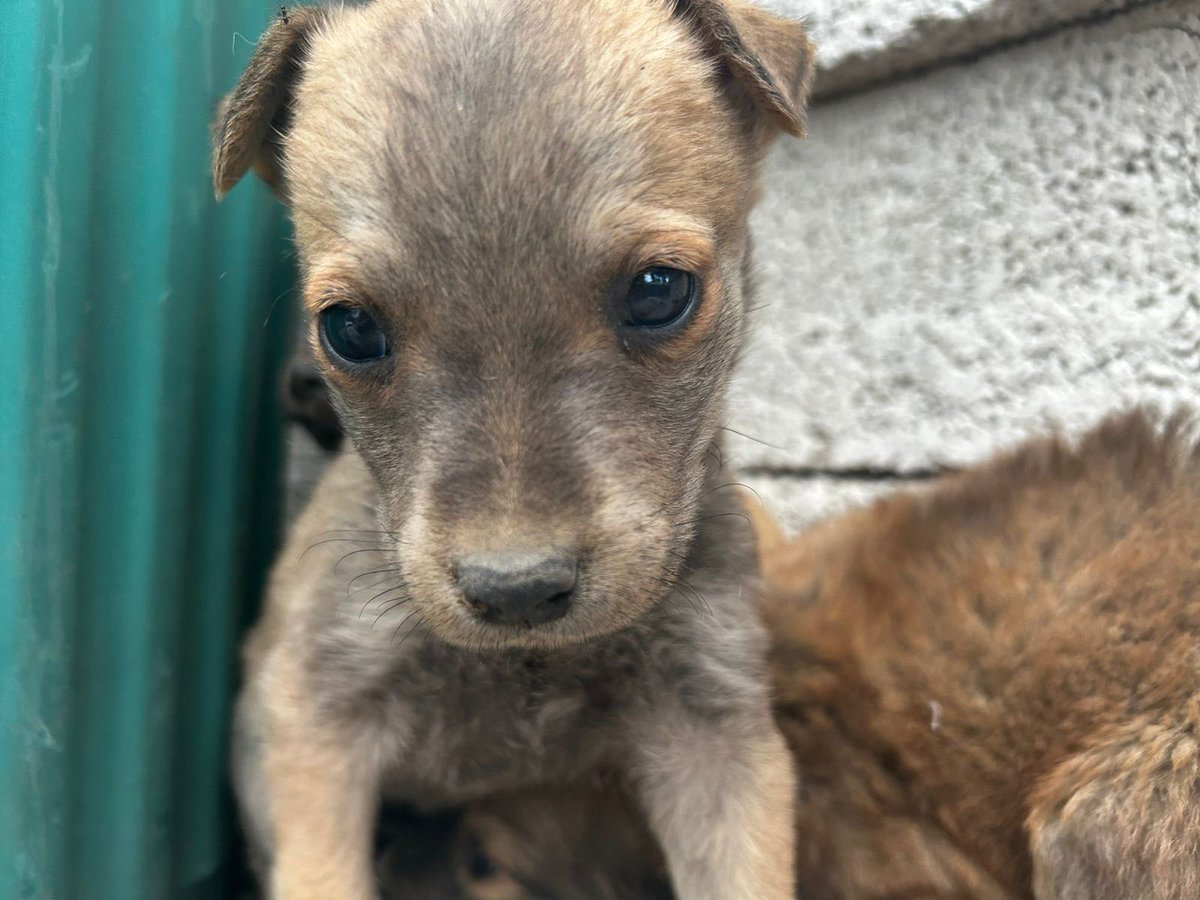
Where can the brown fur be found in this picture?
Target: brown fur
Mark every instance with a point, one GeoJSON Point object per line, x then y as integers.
{"type": "Point", "coordinates": [991, 687]}
{"type": "Point", "coordinates": [485, 178]}
{"type": "Point", "coordinates": [578, 843]}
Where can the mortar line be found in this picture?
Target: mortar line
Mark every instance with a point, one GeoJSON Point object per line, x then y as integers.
{"type": "Point", "coordinates": [849, 473]}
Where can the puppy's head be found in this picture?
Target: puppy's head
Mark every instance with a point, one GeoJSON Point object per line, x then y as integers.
{"type": "Point", "coordinates": [522, 227]}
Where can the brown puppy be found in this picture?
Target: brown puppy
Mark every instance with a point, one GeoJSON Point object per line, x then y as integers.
{"type": "Point", "coordinates": [992, 687]}
{"type": "Point", "coordinates": [578, 843]}
{"type": "Point", "coordinates": [522, 228]}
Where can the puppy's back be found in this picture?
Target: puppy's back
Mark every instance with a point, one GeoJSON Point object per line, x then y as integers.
{"type": "Point", "coordinates": [993, 682]}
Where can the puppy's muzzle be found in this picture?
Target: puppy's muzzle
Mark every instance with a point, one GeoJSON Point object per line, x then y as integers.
{"type": "Point", "coordinates": [526, 588]}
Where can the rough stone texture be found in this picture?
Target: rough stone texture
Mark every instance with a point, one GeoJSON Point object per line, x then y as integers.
{"type": "Point", "coordinates": [964, 258]}
{"type": "Point", "coordinates": [862, 42]}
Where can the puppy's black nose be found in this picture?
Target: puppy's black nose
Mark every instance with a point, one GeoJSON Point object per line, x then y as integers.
{"type": "Point", "coordinates": [518, 588]}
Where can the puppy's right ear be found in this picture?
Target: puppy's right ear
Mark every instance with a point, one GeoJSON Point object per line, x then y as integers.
{"type": "Point", "coordinates": [252, 120]}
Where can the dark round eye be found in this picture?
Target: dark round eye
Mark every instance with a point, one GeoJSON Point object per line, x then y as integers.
{"type": "Point", "coordinates": [659, 296]}
{"type": "Point", "coordinates": [352, 334]}
{"type": "Point", "coordinates": [479, 865]}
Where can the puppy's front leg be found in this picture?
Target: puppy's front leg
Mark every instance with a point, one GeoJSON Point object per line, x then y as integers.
{"type": "Point", "coordinates": [324, 796]}
{"type": "Point", "coordinates": [720, 797]}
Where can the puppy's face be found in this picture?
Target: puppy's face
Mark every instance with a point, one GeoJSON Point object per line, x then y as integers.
{"type": "Point", "coordinates": [523, 234]}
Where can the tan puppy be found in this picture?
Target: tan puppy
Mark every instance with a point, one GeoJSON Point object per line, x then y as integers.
{"type": "Point", "coordinates": [992, 688]}
{"type": "Point", "coordinates": [522, 229]}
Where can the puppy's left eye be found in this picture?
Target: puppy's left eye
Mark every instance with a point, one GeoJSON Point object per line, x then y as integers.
{"type": "Point", "coordinates": [659, 296]}
{"type": "Point", "coordinates": [353, 334]}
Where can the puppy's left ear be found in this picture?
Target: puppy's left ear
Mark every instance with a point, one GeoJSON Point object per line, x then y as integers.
{"type": "Point", "coordinates": [770, 58]}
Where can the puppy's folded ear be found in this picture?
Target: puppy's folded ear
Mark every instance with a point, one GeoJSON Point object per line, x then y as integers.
{"type": "Point", "coordinates": [769, 58]}
{"type": "Point", "coordinates": [253, 119]}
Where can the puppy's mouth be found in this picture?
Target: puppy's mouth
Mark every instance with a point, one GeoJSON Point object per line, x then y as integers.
{"type": "Point", "coordinates": [546, 610]}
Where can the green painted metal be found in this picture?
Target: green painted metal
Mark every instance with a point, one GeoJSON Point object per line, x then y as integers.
{"type": "Point", "coordinates": [138, 442]}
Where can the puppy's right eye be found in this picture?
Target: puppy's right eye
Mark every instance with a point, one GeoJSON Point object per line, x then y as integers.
{"type": "Point", "coordinates": [352, 333]}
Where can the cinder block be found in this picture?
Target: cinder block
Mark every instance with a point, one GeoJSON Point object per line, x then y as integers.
{"type": "Point", "coordinates": [986, 251]}
{"type": "Point", "coordinates": [864, 42]}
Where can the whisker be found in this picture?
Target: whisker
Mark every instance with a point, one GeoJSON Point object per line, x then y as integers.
{"type": "Point", "coordinates": [694, 594]}
{"type": "Point", "coordinates": [271, 310]}
{"type": "Point", "coordinates": [338, 564]}
{"type": "Point", "coordinates": [385, 570]}
{"type": "Point", "coordinates": [382, 544]}
{"type": "Point", "coordinates": [390, 534]}
{"type": "Point", "coordinates": [751, 437]}
{"type": "Point", "coordinates": [683, 559]}
{"type": "Point", "coordinates": [740, 484]}
{"type": "Point", "coordinates": [396, 631]}
{"type": "Point", "coordinates": [720, 515]}
{"type": "Point", "coordinates": [715, 451]}
{"type": "Point", "coordinates": [672, 598]}
{"type": "Point", "coordinates": [415, 626]}
{"type": "Point", "coordinates": [398, 587]}
{"type": "Point", "coordinates": [387, 608]}
{"type": "Point", "coordinates": [700, 595]}
{"type": "Point", "coordinates": [728, 563]}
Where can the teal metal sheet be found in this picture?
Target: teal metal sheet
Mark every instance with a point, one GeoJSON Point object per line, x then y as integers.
{"type": "Point", "coordinates": [138, 441]}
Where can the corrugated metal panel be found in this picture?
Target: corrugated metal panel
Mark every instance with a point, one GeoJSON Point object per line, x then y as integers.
{"type": "Point", "coordinates": [136, 435]}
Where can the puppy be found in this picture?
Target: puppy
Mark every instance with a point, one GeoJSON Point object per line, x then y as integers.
{"type": "Point", "coordinates": [577, 842]}
{"type": "Point", "coordinates": [992, 687]}
{"type": "Point", "coordinates": [573, 843]}
{"type": "Point", "coordinates": [523, 234]}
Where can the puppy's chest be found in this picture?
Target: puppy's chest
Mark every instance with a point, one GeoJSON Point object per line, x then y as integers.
{"type": "Point", "coordinates": [474, 727]}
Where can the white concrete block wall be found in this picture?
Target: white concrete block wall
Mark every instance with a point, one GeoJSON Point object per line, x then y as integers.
{"type": "Point", "coordinates": [956, 260]}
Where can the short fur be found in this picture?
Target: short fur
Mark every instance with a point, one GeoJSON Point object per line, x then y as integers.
{"type": "Point", "coordinates": [992, 687]}
{"type": "Point", "coordinates": [486, 178]}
